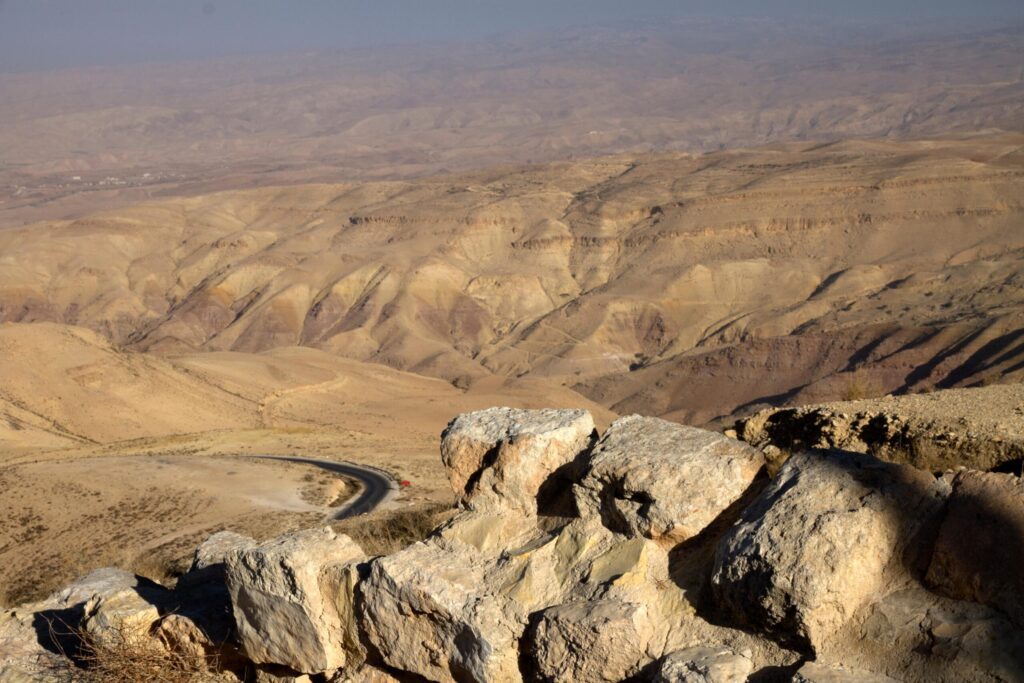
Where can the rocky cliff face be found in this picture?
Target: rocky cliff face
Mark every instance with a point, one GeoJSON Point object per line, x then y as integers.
{"type": "Point", "coordinates": [651, 552]}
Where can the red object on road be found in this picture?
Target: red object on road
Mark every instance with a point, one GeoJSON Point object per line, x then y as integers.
{"type": "Point", "coordinates": [405, 483]}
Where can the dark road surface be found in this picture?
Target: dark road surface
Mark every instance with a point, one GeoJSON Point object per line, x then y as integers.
{"type": "Point", "coordinates": [377, 486]}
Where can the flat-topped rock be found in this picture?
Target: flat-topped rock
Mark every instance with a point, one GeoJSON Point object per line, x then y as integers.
{"type": "Point", "coordinates": [503, 456]}
{"type": "Point", "coordinates": [664, 480]}
{"type": "Point", "coordinates": [981, 427]}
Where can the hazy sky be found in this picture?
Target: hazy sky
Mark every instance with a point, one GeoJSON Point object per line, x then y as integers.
{"type": "Point", "coordinates": [55, 33]}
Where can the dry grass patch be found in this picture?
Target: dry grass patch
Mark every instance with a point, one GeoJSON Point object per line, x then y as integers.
{"type": "Point", "coordinates": [859, 387]}
{"type": "Point", "coordinates": [128, 656]}
{"type": "Point", "coordinates": [388, 532]}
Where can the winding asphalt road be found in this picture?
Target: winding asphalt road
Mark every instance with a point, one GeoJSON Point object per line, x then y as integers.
{"type": "Point", "coordinates": [378, 487]}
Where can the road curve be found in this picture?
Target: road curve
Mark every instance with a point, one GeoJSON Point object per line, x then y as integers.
{"type": "Point", "coordinates": [378, 487]}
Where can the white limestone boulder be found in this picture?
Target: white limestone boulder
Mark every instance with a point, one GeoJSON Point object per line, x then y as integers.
{"type": "Point", "coordinates": [663, 480]}
{"type": "Point", "coordinates": [286, 594]}
{"type": "Point", "coordinates": [830, 533]}
{"type": "Point", "coordinates": [503, 456]}
{"type": "Point", "coordinates": [429, 610]}
{"type": "Point", "coordinates": [603, 640]}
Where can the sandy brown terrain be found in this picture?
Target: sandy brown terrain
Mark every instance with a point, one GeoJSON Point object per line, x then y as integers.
{"type": "Point", "coordinates": [78, 140]}
{"type": "Point", "coordinates": [113, 457]}
{"type": "Point", "coordinates": [148, 350]}
{"type": "Point", "coordinates": [805, 233]}
{"type": "Point", "coordinates": [70, 515]}
{"type": "Point", "coordinates": [689, 286]}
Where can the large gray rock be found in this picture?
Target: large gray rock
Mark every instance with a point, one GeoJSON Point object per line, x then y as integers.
{"type": "Point", "coordinates": [602, 640]}
{"type": "Point", "coordinates": [502, 456]}
{"type": "Point", "coordinates": [288, 600]}
{"type": "Point", "coordinates": [664, 480]}
{"type": "Point", "coordinates": [979, 554]}
{"type": "Point", "coordinates": [704, 664]}
{"type": "Point", "coordinates": [826, 537]}
{"type": "Point", "coordinates": [428, 610]}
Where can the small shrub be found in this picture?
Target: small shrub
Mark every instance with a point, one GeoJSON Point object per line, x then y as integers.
{"type": "Point", "coordinates": [857, 388]}
{"type": "Point", "coordinates": [127, 656]}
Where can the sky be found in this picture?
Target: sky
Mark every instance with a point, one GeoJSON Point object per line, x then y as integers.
{"type": "Point", "coordinates": [43, 34]}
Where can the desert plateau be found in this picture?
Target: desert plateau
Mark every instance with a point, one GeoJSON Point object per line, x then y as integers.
{"type": "Point", "coordinates": [563, 343]}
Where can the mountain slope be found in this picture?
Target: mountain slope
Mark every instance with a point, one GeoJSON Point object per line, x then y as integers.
{"type": "Point", "coordinates": [689, 286]}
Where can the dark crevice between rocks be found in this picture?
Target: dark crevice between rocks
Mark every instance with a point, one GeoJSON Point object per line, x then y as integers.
{"type": "Point", "coordinates": [555, 499]}
{"type": "Point", "coordinates": [527, 663]}
{"type": "Point", "coordinates": [776, 674]}
{"type": "Point", "coordinates": [691, 562]}
{"type": "Point", "coordinates": [646, 673]}
{"type": "Point", "coordinates": [57, 630]}
{"type": "Point", "coordinates": [1014, 467]}
{"type": "Point", "coordinates": [611, 517]}
{"type": "Point", "coordinates": [469, 646]}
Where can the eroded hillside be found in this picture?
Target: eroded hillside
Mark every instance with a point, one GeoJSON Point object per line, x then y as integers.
{"type": "Point", "coordinates": [689, 286]}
